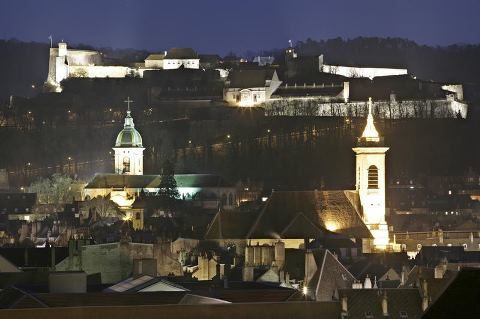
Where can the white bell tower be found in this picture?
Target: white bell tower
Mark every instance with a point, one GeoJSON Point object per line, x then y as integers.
{"type": "Point", "coordinates": [128, 148]}
{"type": "Point", "coordinates": [370, 180]}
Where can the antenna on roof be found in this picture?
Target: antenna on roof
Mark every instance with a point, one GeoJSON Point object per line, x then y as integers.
{"type": "Point", "coordinates": [51, 40]}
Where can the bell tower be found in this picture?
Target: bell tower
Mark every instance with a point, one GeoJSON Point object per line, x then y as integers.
{"type": "Point", "coordinates": [128, 148]}
{"type": "Point", "coordinates": [370, 180]}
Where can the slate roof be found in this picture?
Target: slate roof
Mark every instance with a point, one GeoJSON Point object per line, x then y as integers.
{"type": "Point", "coordinates": [361, 301]}
{"type": "Point", "coordinates": [405, 87]}
{"type": "Point", "coordinates": [230, 225]}
{"type": "Point", "coordinates": [33, 257]}
{"type": "Point", "coordinates": [460, 299]}
{"type": "Point", "coordinates": [308, 213]}
{"type": "Point", "coordinates": [435, 286]}
{"type": "Point", "coordinates": [155, 56]}
{"type": "Point", "coordinates": [294, 214]}
{"type": "Point", "coordinates": [181, 53]}
{"type": "Point", "coordinates": [249, 78]}
{"type": "Point", "coordinates": [153, 181]}
{"type": "Point", "coordinates": [329, 277]}
{"type": "Point", "coordinates": [237, 292]}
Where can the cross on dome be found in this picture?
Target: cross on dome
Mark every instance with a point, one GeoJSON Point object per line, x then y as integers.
{"type": "Point", "coordinates": [128, 101]}
{"type": "Point", "coordinates": [370, 134]}
{"type": "Point", "coordinates": [128, 118]}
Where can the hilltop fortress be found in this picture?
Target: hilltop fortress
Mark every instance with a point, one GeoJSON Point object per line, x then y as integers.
{"type": "Point", "coordinates": [66, 63]}
{"type": "Point", "coordinates": [297, 86]}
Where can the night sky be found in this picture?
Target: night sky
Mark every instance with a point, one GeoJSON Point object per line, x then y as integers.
{"type": "Point", "coordinates": [214, 26]}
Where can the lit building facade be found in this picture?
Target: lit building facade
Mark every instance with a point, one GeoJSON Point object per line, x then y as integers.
{"type": "Point", "coordinates": [370, 180]}
{"type": "Point", "coordinates": [129, 149]}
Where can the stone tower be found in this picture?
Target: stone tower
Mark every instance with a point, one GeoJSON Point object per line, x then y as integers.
{"type": "Point", "coordinates": [370, 180]}
{"type": "Point", "coordinates": [129, 149]}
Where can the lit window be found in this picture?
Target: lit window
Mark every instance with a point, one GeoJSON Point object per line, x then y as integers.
{"type": "Point", "coordinates": [126, 164]}
{"type": "Point", "coordinates": [373, 177]}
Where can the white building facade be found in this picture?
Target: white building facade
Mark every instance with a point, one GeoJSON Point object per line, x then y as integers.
{"type": "Point", "coordinates": [370, 181]}
{"type": "Point", "coordinates": [129, 149]}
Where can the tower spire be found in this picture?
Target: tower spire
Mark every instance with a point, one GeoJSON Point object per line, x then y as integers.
{"type": "Point", "coordinates": [370, 134]}
{"type": "Point", "coordinates": [128, 118]}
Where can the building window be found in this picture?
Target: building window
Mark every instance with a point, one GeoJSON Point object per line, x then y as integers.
{"type": "Point", "coordinates": [126, 165]}
{"type": "Point", "coordinates": [137, 216]}
{"type": "Point", "coordinates": [373, 177]}
{"type": "Point", "coordinates": [368, 315]}
{"type": "Point", "coordinates": [403, 315]}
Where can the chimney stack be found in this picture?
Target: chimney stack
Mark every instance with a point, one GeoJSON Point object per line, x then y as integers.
{"type": "Point", "coordinates": [425, 295]}
{"type": "Point", "coordinates": [344, 305]}
{"type": "Point", "coordinates": [385, 304]}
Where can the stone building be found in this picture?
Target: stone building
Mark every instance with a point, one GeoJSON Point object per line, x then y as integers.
{"type": "Point", "coordinates": [250, 87]}
{"type": "Point", "coordinates": [297, 217]}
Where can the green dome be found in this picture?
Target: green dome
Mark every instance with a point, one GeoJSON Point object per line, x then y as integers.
{"type": "Point", "coordinates": [129, 136]}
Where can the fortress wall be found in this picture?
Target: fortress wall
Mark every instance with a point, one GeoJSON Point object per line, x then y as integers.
{"type": "Point", "coordinates": [358, 72]}
{"type": "Point", "coordinates": [446, 108]}
{"type": "Point", "coordinates": [98, 71]}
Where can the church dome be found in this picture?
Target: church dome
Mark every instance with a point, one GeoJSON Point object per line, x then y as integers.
{"type": "Point", "coordinates": [129, 136]}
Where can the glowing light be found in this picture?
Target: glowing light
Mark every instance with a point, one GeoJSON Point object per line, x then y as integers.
{"type": "Point", "coordinates": [331, 226]}
{"type": "Point", "coordinates": [228, 136]}
{"type": "Point", "coordinates": [370, 133]}
{"type": "Point", "coordinates": [305, 290]}
{"type": "Point", "coordinates": [264, 199]}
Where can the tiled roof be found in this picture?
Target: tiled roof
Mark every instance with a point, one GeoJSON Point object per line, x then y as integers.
{"type": "Point", "coordinates": [249, 78]}
{"type": "Point", "coordinates": [181, 53]}
{"type": "Point", "coordinates": [230, 225]}
{"type": "Point", "coordinates": [305, 214]}
{"type": "Point", "coordinates": [311, 213]}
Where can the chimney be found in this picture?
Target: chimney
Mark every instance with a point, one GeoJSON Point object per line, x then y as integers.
{"type": "Point", "coordinates": [403, 276]}
{"type": "Point", "coordinates": [385, 304]}
{"type": "Point", "coordinates": [425, 295]}
{"type": "Point", "coordinates": [344, 305]}
{"type": "Point", "coordinates": [367, 284]}
{"type": "Point", "coordinates": [225, 282]}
